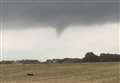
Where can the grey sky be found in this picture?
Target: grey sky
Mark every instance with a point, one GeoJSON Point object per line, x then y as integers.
{"type": "Point", "coordinates": [30, 28]}
{"type": "Point", "coordinates": [60, 13]}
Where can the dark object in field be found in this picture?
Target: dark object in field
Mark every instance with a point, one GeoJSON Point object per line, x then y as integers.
{"type": "Point", "coordinates": [30, 74]}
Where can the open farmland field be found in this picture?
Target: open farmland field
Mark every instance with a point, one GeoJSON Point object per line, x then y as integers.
{"type": "Point", "coordinates": [60, 73]}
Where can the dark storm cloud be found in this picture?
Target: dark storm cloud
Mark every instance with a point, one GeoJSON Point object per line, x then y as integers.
{"type": "Point", "coordinates": [61, 13]}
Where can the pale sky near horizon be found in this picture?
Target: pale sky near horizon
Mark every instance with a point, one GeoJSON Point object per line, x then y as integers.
{"type": "Point", "coordinates": [58, 29]}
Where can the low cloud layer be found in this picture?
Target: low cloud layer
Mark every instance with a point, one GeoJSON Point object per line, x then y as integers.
{"type": "Point", "coordinates": [59, 14]}
{"type": "Point", "coordinates": [42, 43]}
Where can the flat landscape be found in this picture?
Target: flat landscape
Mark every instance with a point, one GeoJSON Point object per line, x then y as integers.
{"type": "Point", "coordinates": [61, 73]}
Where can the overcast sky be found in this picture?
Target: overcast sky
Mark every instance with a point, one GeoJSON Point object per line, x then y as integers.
{"type": "Point", "coordinates": [42, 29]}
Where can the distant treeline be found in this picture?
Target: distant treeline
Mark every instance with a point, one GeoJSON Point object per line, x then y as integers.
{"type": "Point", "coordinates": [20, 62]}
{"type": "Point", "coordinates": [104, 57]}
{"type": "Point", "coordinates": [89, 57]}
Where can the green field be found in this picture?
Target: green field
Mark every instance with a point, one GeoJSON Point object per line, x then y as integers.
{"type": "Point", "coordinates": [60, 73]}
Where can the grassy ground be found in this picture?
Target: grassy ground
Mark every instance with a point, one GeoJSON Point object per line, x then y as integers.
{"type": "Point", "coordinates": [61, 73]}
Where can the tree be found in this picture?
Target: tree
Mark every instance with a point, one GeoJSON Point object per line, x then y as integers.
{"type": "Point", "coordinates": [90, 57]}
